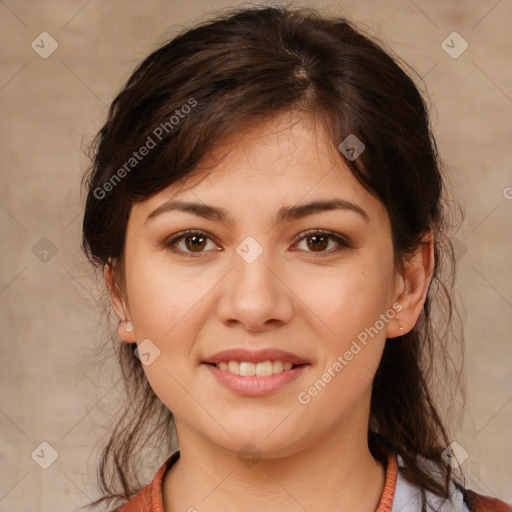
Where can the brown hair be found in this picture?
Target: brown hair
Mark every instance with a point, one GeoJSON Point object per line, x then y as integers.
{"type": "Point", "coordinates": [242, 67]}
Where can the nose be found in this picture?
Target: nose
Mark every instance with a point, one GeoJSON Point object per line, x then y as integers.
{"type": "Point", "coordinates": [255, 295]}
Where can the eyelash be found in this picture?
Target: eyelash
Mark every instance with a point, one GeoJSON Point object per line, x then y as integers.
{"type": "Point", "coordinates": [171, 242]}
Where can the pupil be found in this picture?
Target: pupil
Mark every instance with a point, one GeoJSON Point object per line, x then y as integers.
{"type": "Point", "coordinates": [320, 241]}
{"type": "Point", "coordinates": [198, 241]}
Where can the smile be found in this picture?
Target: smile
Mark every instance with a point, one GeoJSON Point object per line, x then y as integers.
{"type": "Point", "coordinates": [248, 369]}
{"type": "Point", "coordinates": [255, 379]}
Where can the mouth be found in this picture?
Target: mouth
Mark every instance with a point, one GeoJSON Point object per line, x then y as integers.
{"type": "Point", "coordinates": [255, 373]}
{"type": "Point", "coordinates": [255, 356]}
{"type": "Point", "coordinates": [250, 369]}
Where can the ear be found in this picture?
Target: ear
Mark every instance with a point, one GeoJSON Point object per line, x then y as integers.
{"type": "Point", "coordinates": [125, 326]}
{"type": "Point", "coordinates": [412, 288]}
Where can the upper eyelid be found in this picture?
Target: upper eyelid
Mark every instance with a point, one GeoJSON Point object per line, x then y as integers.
{"type": "Point", "coordinates": [342, 240]}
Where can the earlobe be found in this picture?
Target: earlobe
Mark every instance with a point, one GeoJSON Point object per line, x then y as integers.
{"type": "Point", "coordinates": [414, 283]}
{"type": "Point", "coordinates": [125, 326]}
{"type": "Point", "coordinates": [125, 331]}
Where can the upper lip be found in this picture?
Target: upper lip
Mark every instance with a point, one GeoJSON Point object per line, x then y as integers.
{"type": "Point", "coordinates": [254, 356]}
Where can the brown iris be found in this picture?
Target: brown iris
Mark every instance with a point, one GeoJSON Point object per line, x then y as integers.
{"type": "Point", "coordinates": [198, 242]}
{"type": "Point", "coordinates": [320, 241]}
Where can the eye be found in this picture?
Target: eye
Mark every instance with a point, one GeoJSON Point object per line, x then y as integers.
{"type": "Point", "coordinates": [318, 241]}
{"type": "Point", "coordinates": [193, 243]}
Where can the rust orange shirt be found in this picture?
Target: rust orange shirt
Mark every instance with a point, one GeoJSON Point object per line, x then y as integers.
{"type": "Point", "coordinates": [397, 495]}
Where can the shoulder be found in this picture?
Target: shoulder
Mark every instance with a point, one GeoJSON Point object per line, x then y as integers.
{"type": "Point", "coordinates": [480, 503]}
{"type": "Point", "coordinates": [411, 498]}
{"type": "Point", "coordinates": [149, 498]}
{"type": "Point", "coordinates": [141, 502]}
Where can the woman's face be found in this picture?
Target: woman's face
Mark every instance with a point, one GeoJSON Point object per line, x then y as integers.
{"type": "Point", "coordinates": [261, 276]}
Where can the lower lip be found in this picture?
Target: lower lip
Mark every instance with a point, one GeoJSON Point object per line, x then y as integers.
{"type": "Point", "coordinates": [254, 385]}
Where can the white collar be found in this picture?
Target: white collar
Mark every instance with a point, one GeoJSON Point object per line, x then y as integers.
{"type": "Point", "coordinates": [408, 497]}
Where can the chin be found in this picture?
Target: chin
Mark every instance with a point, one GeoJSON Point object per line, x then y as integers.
{"type": "Point", "coordinates": [251, 442]}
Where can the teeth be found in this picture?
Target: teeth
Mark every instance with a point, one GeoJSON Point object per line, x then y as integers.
{"type": "Point", "coordinates": [247, 369]}
{"type": "Point", "coordinates": [234, 367]}
{"type": "Point", "coordinates": [277, 366]}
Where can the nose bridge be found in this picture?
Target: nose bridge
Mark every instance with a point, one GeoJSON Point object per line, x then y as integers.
{"type": "Point", "coordinates": [254, 294]}
{"type": "Point", "coordinates": [252, 275]}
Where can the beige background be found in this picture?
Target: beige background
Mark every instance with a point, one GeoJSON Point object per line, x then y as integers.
{"type": "Point", "coordinates": [49, 324]}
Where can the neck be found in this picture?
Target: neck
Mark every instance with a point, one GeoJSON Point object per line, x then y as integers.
{"type": "Point", "coordinates": [319, 477]}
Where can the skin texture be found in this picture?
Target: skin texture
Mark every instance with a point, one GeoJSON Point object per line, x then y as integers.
{"type": "Point", "coordinates": [310, 301]}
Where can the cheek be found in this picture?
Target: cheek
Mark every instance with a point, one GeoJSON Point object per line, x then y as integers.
{"type": "Point", "coordinates": [351, 333]}
{"type": "Point", "coordinates": [347, 299]}
{"type": "Point", "coordinates": [349, 314]}
{"type": "Point", "coordinates": [162, 297]}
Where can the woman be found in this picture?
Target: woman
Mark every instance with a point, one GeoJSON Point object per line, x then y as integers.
{"type": "Point", "coordinates": [266, 202]}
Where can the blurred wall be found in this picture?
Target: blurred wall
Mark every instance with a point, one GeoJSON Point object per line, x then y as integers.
{"type": "Point", "coordinates": [54, 92]}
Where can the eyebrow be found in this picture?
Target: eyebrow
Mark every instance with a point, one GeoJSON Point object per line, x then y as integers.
{"type": "Point", "coordinates": [285, 214]}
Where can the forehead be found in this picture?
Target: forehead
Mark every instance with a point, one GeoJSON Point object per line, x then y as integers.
{"type": "Point", "coordinates": [286, 144]}
{"type": "Point", "coordinates": [286, 159]}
